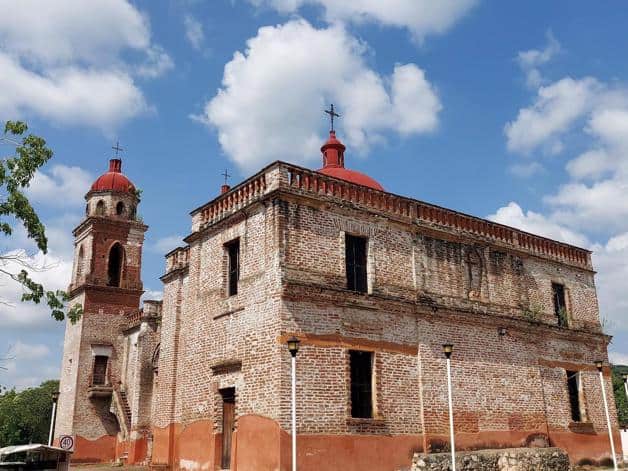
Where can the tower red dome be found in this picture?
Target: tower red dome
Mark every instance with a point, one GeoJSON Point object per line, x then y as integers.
{"type": "Point", "coordinates": [334, 164]}
{"type": "Point", "coordinates": [114, 179]}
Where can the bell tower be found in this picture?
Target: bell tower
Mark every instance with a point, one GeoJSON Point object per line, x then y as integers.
{"type": "Point", "coordinates": [106, 282]}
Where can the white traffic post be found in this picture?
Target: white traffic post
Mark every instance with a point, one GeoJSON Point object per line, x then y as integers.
{"type": "Point", "coordinates": [53, 417]}
{"type": "Point", "coordinates": [447, 349]}
{"type": "Point", "coordinates": [598, 364]}
{"type": "Point", "coordinates": [293, 348]}
{"type": "Point", "coordinates": [294, 413]}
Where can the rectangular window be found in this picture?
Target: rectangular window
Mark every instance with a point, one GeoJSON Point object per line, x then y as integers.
{"type": "Point", "coordinates": [361, 384]}
{"type": "Point", "coordinates": [573, 386]}
{"type": "Point", "coordinates": [233, 269]}
{"type": "Point", "coordinates": [560, 307]}
{"type": "Point", "coordinates": [99, 376]}
{"type": "Point", "coordinates": [355, 259]}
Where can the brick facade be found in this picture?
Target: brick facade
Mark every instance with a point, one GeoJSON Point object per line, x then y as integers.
{"type": "Point", "coordinates": [433, 276]}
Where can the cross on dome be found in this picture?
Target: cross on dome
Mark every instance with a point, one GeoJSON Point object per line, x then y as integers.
{"type": "Point", "coordinates": [332, 114]}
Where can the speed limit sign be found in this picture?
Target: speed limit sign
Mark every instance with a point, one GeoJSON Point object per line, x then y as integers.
{"type": "Point", "coordinates": [66, 442]}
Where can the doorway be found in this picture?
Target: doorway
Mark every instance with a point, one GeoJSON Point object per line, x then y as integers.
{"type": "Point", "coordinates": [228, 424]}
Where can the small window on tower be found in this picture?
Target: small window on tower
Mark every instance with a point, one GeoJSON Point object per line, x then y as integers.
{"type": "Point", "coordinates": [100, 208]}
{"type": "Point", "coordinates": [573, 387]}
{"type": "Point", "coordinates": [116, 263]}
{"type": "Point", "coordinates": [120, 208]}
{"type": "Point", "coordinates": [560, 307]}
{"type": "Point", "coordinates": [355, 260]}
{"type": "Point", "coordinates": [233, 268]}
{"type": "Point", "coordinates": [99, 375]}
{"type": "Point", "coordinates": [87, 209]}
{"type": "Point", "coordinates": [79, 264]}
{"type": "Point", "coordinates": [361, 384]}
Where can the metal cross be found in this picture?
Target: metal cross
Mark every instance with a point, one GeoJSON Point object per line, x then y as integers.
{"type": "Point", "coordinates": [117, 148]}
{"type": "Point", "coordinates": [332, 114]}
{"type": "Point", "coordinates": [226, 175]}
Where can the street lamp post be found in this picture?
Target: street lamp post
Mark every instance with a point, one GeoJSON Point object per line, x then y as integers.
{"type": "Point", "coordinates": [447, 350]}
{"type": "Point", "coordinates": [293, 348]}
{"type": "Point", "coordinates": [598, 365]}
{"type": "Point", "coordinates": [53, 416]}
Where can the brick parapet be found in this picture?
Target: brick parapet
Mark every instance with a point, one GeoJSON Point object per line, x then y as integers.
{"type": "Point", "coordinates": [287, 177]}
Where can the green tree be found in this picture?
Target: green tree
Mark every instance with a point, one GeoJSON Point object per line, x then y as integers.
{"type": "Point", "coordinates": [16, 173]}
{"type": "Point", "coordinates": [25, 415]}
{"type": "Point", "coordinates": [620, 393]}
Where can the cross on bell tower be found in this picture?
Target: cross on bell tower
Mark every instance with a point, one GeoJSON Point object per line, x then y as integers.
{"type": "Point", "coordinates": [332, 114]}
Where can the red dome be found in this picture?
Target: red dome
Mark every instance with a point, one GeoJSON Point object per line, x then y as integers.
{"type": "Point", "coordinates": [351, 176]}
{"type": "Point", "coordinates": [114, 179]}
{"type": "Point", "coordinates": [334, 164]}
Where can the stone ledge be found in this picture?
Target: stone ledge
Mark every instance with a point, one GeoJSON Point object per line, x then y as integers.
{"type": "Point", "coordinates": [510, 459]}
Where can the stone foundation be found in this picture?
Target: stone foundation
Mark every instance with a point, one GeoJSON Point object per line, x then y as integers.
{"type": "Point", "coordinates": [512, 459]}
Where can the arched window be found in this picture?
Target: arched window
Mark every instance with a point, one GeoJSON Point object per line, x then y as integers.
{"type": "Point", "coordinates": [100, 208]}
{"type": "Point", "coordinates": [87, 209]}
{"type": "Point", "coordinates": [132, 212]}
{"type": "Point", "coordinates": [116, 264]}
{"type": "Point", "coordinates": [79, 264]}
{"type": "Point", "coordinates": [120, 208]}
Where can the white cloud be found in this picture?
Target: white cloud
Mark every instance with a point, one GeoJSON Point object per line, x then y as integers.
{"type": "Point", "coordinates": [157, 63]}
{"type": "Point", "coordinates": [272, 96]}
{"type": "Point", "coordinates": [166, 244]}
{"type": "Point", "coordinates": [193, 31]}
{"type": "Point", "coordinates": [63, 186]}
{"type": "Point", "coordinates": [527, 169]}
{"type": "Point", "coordinates": [69, 96]}
{"type": "Point", "coordinates": [617, 358]}
{"type": "Point", "coordinates": [50, 270]}
{"type": "Point", "coordinates": [536, 223]}
{"type": "Point", "coordinates": [66, 31]}
{"type": "Point", "coordinates": [420, 17]}
{"type": "Point", "coordinates": [556, 108]}
{"type": "Point", "coordinates": [25, 351]}
{"type": "Point", "coordinates": [153, 295]}
{"type": "Point", "coordinates": [531, 60]}
{"type": "Point", "coordinates": [65, 63]}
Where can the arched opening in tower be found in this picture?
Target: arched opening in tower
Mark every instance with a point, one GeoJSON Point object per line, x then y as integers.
{"type": "Point", "coordinates": [79, 264]}
{"type": "Point", "coordinates": [116, 263]}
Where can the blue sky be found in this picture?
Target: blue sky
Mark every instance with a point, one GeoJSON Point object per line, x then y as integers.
{"type": "Point", "coordinates": [516, 111]}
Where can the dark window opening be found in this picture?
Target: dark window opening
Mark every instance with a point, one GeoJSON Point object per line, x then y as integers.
{"type": "Point", "coordinates": [87, 209]}
{"type": "Point", "coordinates": [100, 208]}
{"type": "Point", "coordinates": [132, 212]}
{"type": "Point", "coordinates": [79, 263]}
{"type": "Point", "coordinates": [574, 395]}
{"type": "Point", "coordinates": [228, 425]}
{"type": "Point", "coordinates": [114, 271]}
{"type": "Point", "coordinates": [361, 384]}
{"type": "Point", "coordinates": [233, 253]}
{"type": "Point", "coordinates": [560, 307]}
{"type": "Point", "coordinates": [120, 208]}
{"type": "Point", "coordinates": [355, 259]}
{"type": "Point", "coordinates": [99, 376]}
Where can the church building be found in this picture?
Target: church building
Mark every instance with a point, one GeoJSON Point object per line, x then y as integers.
{"type": "Point", "coordinates": [372, 284]}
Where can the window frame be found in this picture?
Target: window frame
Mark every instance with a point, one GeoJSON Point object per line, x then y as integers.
{"type": "Point", "coordinates": [559, 301]}
{"type": "Point", "coordinates": [575, 395]}
{"type": "Point", "coordinates": [356, 263]}
{"type": "Point", "coordinates": [365, 407]}
{"type": "Point", "coordinates": [232, 250]}
{"type": "Point", "coordinates": [104, 373]}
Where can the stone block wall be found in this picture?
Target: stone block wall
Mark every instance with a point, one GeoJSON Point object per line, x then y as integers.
{"type": "Point", "coordinates": [520, 459]}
